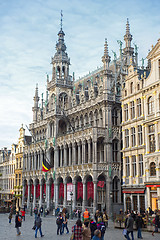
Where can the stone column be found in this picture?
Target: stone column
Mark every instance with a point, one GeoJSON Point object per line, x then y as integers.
{"type": "Point", "coordinates": [138, 202]}
{"type": "Point", "coordinates": [108, 198]}
{"type": "Point", "coordinates": [148, 197]}
{"type": "Point", "coordinates": [95, 197]}
{"type": "Point", "coordinates": [89, 150]}
{"type": "Point", "coordinates": [74, 154]}
{"type": "Point", "coordinates": [65, 155]}
{"type": "Point", "coordinates": [84, 197]}
{"type": "Point", "coordinates": [138, 171]}
{"type": "Point", "coordinates": [48, 194]}
{"type": "Point", "coordinates": [95, 152]}
{"type": "Point", "coordinates": [124, 201]}
{"type": "Point", "coordinates": [79, 153]}
{"type": "Point", "coordinates": [56, 194]}
{"type": "Point", "coordinates": [40, 199]}
{"type": "Point", "coordinates": [131, 196]}
{"type": "Point", "coordinates": [61, 154]}
{"type": "Point", "coordinates": [131, 170]}
{"type": "Point", "coordinates": [29, 194]}
{"type": "Point", "coordinates": [146, 139]}
{"type": "Point", "coordinates": [83, 153]}
{"type": "Point", "coordinates": [158, 194]}
{"type": "Point", "coordinates": [23, 192]}
{"type": "Point", "coordinates": [156, 136]}
{"type": "Point", "coordinates": [105, 152]}
{"type": "Point", "coordinates": [70, 157]}
{"type": "Point", "coordinates": [65, 194]}
{"type": "Point", "coordinates": [34, 197]}
{"type": "Point", "coordinates": [74, 195]}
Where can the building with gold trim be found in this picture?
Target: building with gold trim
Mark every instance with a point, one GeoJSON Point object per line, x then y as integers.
{"type": "Point", "coordinates": [140, 129]}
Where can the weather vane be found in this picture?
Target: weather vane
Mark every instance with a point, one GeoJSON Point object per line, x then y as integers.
{"type": "Point", "coordinates": [61, 19]}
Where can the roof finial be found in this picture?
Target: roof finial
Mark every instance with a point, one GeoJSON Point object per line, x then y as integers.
{"type": "Point", "coordinates": [127, 27]}
{"type": "Point", "coordinates": [61, 19]}
{"type": "Point", "coordinates": [106, 48]}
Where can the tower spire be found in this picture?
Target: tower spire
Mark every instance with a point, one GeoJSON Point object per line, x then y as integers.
{"type": "Point", "coordinates": [127, 27]}
{"type": "Point", "coordinates": [106, 58]}
{"type": "Point", "coordinates": [61, 19]}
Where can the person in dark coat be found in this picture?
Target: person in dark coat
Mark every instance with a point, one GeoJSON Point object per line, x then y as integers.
{"type": "Point", "coordinates": [139, 224]}
{"type": "Point", "coordinates": [59, 223]}
{"type": "Point", "coordinates": [156, 224]}
{"type": "Point", "coordinates": [18, 221]}
{"type": "Point", "coordinates": [38, 223]}
{"type": "Point", "coordinates": [93, 227]}
{"type": "Point", "coordinates": [130, 222]}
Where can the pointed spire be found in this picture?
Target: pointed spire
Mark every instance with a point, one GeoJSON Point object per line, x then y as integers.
{"type": "Point", "coordinates": [106, 58]}
{"type": "Point", "coordinates": [61, 19]}
{"type": "Point", "coordinates": [127, 27]}
{"type": "Point", "coordinates": [36, 90]}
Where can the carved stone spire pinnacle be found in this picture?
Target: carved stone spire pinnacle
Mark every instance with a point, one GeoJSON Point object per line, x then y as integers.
{"type": "Point", "coordinates": [127, 27]}
{"type": "Point", "coordinates": [106, 58]}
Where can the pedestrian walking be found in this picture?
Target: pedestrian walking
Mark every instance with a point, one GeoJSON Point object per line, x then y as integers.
{"type": "Point", "coordinates": [105, 219]}
{"type": "Point", "coordinates": [86, 232]}
{"type": "Point", "coordinates": [93, 227]}
{"type": "Point", "coordinates": [139, 224]}
{"type": "Point", "coordinates": [77, 230]}
{"type": "Point", "coordinates": [23, 213]}
{"type": "Point", "coordinates": [97, 235]}
{"type": "Point", "coordinates": [156, 222]}
{"type": "Point", "coordinates": [18, 222]}
{"type": "Point", "coordinates": [96, 215]}
{"type": "Point", "coordinates": [86, 215]}
{"type": "Point", "coordinates": [10, 217]}
{"type": "Point", "coordinates": [79, 214]}
{"type": "Point", "coordinates": [64, 224]}
{"type": "Point", "coordinates": [41, 210]}
{"type": "Point", "coordinates": [59, 223]}
{"type": "Point", "coordinates": [38, 223]}
{"type": "Point", "coordinates": [129, 227]}
{"type": "Point", "coordinates": [35, 212]}
{"type": "Point", "coordinates": [101, 227]}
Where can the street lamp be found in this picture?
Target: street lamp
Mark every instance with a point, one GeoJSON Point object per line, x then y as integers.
{"type": "Point", "coordinates": [31, 204]}
{"type": "Point", "coordinates": [71, 194]}
{"type": "Point", "coordinates": [111, 197]}
{"type": "Point", "coordinates": [44, 197]}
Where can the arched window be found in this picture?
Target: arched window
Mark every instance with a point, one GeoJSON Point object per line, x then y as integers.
{"type": "Point", "coordinates": [63, 100]}
{"type": "Point", "coordinates": [150, 105]}
{"type": "Point", "coordinates": [152, 169]}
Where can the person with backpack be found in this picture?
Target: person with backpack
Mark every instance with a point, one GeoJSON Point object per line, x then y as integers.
{"type": "Point", "coordinates": [38, 222]}
{"type": "Point", "coordinates": [64, 225]}
{"type": "Point", "coordinates": [59, 223]}
{"type": "Point", "coordinates": [101, 227]}
{"type": "Point", "coordinates": [18, 222]}
{"type": "Point", "coordinates": [93, 227]}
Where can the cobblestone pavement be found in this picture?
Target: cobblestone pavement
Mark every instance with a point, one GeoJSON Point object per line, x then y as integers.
{"type": "Point", "coordinates": [8, 231]}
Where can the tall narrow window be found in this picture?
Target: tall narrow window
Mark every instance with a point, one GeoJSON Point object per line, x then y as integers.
{"type": "Point", "coordinates": [152, 146]}
{"type": "Point", "coordinates": [132, 110]}
{"type": "Point", "coordinates": [114, 116]}
{"type": "Point", "coordinates": [127, 167]}
{"type": "Point", "coordinates": [126, 138]}
{"type": "Point", "coordinates": [152, 169]}
{"type": "Point", "coordinates": [131, 87]}
{"type": "Point", "coordinates": [126, 111]}
{"type": "Point", "coordinates": [139, 108]}
{"type": "Point", "coordinates": [140, 165]}
{"type": "Point", "coordinates": [115, 150]}
{"type": "Point", "coordinates": [150, 105]}
{"type": "Point", "coordinates": [134, 168]}
{"type": "Point", "coordinates": [140, 136]}
{"type": "Point", "coordinates": [133, 136]}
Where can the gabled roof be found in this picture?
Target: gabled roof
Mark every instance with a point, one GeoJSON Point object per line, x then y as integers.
{"type": "Point", "coordinates": [155, 50]}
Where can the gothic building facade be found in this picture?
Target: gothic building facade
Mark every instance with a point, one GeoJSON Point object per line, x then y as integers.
{"type": "Point", "coordinates": [77, 130]}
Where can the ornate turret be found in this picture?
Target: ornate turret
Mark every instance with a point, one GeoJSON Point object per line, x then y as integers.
{"type": "Point", "coordinates": [35, 108]}
{"type": "Point", "coordinates": [106, 58]}
{"type": "Point", "coordinates": [61, 62]}
{"type": "Point", "coordinates": [128, 50]}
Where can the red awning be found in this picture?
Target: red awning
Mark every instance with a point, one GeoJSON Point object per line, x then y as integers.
{"type": "Point", "coordinates": [133, 191]}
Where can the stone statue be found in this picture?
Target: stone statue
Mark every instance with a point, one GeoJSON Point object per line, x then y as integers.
{"type": "Point", "coordinates": [120, 44]}
{"type": "Point", "coordinates": [115, 55]}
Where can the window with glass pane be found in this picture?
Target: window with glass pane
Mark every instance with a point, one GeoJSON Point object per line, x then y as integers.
{"type": "Point", "coordinates": [115, 150]}
{"type": "Point", "coordinates": [150, 105]}
{"type": "Point", "coordinates": [126, 112]}
{"type": "Point", "coordinates": [127, 167]}
{"type": "Point", "coordinates": [139, 110]}
{"type": "Point", "coordinates": [140, 165]}
{"type": "Point", "coordinates": [114, 116]}
{"type": "Point", "coordinates": [133, 137]}
{"type": "Point", "coordinates": [134, 166]}
{"type": "Point", "coordinates": [132, 110]}
{"type": "Point", "coordinates": [126, 138]}
{"type": "Point", "coordinates": [152, 169]}
{"type": "Point", "coordinates": [140, 136]}
{"type": "Point", "coordinates": [152, 146]}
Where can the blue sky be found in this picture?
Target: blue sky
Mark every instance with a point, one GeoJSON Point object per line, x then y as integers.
{"type": "Point", "coordinates": [29, 34]}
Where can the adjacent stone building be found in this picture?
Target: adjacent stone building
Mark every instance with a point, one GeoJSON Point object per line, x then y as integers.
{"type": "Point", "coordinates": [76, 128]}
{"type": "Point", "coordinates": [140, 129]}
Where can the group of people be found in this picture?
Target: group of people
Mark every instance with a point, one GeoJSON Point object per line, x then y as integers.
{"type": "Point", "coordinates": [137, 218]}
{"type": "Point", "coordinates": [86, 230]}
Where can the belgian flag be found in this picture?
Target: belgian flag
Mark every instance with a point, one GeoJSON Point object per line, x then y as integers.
{"type": "Point", "coordinates": [45, 166]}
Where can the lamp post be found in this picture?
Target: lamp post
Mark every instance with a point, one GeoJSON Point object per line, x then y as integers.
{"type": "Point", "coordinates": [71, 194]}
{"type": "Point", "coordinates": [31, 204]}
{"type": "Point", "coordinates": [44, 197]}
{"type": "Point", "coordinates": [111, 197]}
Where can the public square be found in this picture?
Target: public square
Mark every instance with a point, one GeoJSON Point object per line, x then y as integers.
{"type": "Point", "coordinates": [8, 231]}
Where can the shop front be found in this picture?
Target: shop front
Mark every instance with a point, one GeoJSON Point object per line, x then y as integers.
{"type": "Point", "coordinates": [153, 195]}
